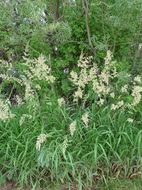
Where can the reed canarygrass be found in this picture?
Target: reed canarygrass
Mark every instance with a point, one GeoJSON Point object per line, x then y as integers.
{"type": "Point", "coordinates": [70, 139]}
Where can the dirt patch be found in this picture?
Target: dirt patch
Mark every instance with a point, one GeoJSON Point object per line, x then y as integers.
{"type": "Point", "coordinates": [9, 186]}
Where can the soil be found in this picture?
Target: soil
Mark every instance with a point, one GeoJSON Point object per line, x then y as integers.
{"type": "Point", "coordinates": [9, 186]}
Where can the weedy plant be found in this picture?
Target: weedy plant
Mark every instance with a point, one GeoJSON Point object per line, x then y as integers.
{"type": "Point", "coordinates": [79, 138]}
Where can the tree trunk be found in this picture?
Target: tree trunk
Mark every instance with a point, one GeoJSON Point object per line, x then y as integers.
{"type": "Point", "coordinates": [57, 14]}
{"type": "Point", "coordinates": [85, 5]}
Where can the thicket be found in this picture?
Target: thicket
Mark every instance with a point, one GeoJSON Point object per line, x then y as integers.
{"type": "Point", "coordinates": [70, 91]}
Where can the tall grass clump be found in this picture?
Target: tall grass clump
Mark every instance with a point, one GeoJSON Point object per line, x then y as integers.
{"type": "Point", "coordinates": [93, 133]}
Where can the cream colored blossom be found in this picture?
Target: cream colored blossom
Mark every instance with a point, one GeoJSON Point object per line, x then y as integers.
{"type": "Point", "coordinates": [84, 62]}
{"type": "Point", "coordinates": [72, 127]}
{"type": "Point", "coordinates": [119, 104]}
{"type": "Point", "coordinates": [140, 46]}
{"type": "Point", "coordinates": [50, 78]}
{"type": "Point", "coordinates": [40, 140]}
{"type": "Point", "coordinates": [61, 101]}
{"type": "Point", "coordinates": [112, 95]}
{"type": "Point", "coordinates": [93, 73]}
{"type": "Point", "coordinates": [124, 89]}
{"type": "Point", "coordinates": [113, 107]}
{"type": "Point", "coordinates": [5, 112]}
{"type": "Point", "coordinates": [29, 93]}
{"type": "Point", "coordinates": [114, 73]}
{"type": "Point", "coordinates": [136, 89]}
{"type": "Point", "coordinates": [85, 118]}
{"type": "Point", "coordinates": [74, 77]}
{"type": "Point", "coordinates": [38, 87]}
{"type": "Point", "coordinates": [80, 80]}
{"type": "Point", "coordinates": [38, 69]}
{"type": "Point", "coordinates": [137, 99]}
{"type": "Point", "coordinates": [136, 93]}
{"type": "Point", "coordinates": [100, 88]}
{"type": "Point", "coordinates": [104, 76]}
{"type": "Point", "coordinates": [78, 94]}
{"type": "Point", "coordinates": [90, 75]}
{"type": "Point", "coordinates": [81, 83]}
{"type": "Point", "coordinates": [19, 100]}
{"type": "Point", "coordinates": [11, 78]}
{"type": "Point", "coordinates": [108, 57]}
{"type": "Point", "coordinates": [23, 118]}
{"type": "Point", "coordinates": [137, 79]}
{"type": "Point", "coordinates": [83, 78]}
{"type": "Point", "coordinates": [101, 101]}
{"type": "Point", "coordinates": [130, 120]}
{"type": "Point", "coordinates": [65, 144]}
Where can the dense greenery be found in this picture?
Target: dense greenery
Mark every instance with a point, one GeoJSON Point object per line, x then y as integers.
{"type": "Point", "coordinates": [70, 92]}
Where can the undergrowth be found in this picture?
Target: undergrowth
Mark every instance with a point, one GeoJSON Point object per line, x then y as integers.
{"type": "Point", "coordinates": [91, 134]}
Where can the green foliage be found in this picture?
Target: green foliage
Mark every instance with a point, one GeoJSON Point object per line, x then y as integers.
{"type": "Point", "coordinates": [43, 135]}
{"type": "Point", "coordinates": [64, 120]}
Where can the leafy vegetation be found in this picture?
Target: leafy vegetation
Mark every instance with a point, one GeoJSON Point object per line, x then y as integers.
{"type": "Point", "coordinates": [70, 92]}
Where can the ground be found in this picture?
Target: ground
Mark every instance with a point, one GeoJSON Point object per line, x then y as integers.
{"type": "Point", "coordinates": [112, 185]}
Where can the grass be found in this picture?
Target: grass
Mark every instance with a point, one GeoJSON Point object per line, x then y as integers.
{"type": "Point", "coordinates": [105, 151]}
{"type": "Point", "coordinates": [112, 184]}
{"type": "Point", "coordinates": [73, 152]}
{"type": "Point", "coordinates": [109, 147]}
{"type": "Point", "coordinates": [123, 184]}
